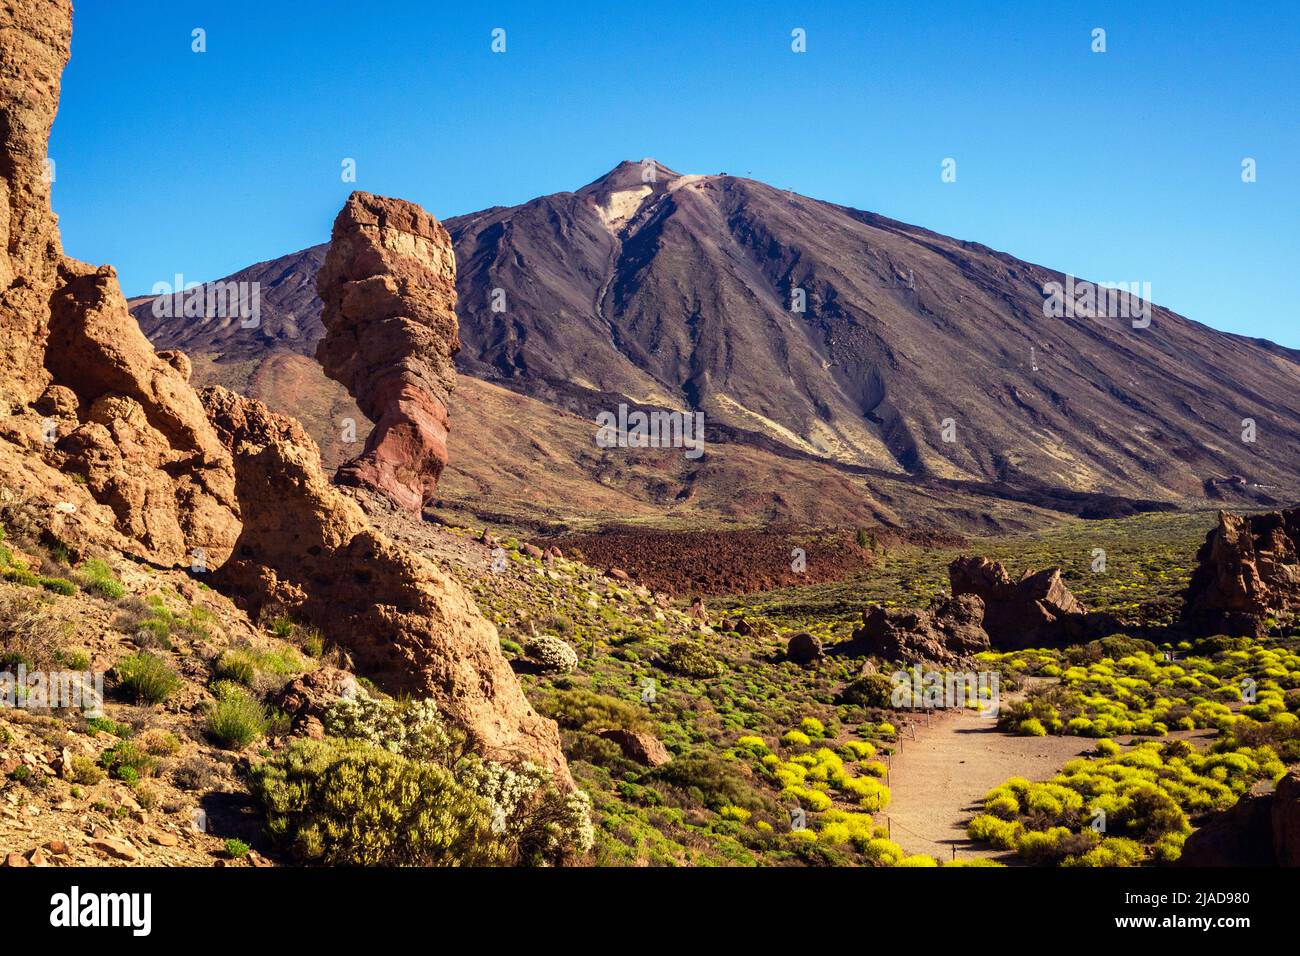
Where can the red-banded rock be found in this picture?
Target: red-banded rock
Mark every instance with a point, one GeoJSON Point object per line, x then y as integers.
{"type": "Point", "coordinates": [388, 287]}
{"type": "Point", "coordinates": [307, 549]}
{"type": "Point", "coordinates": [1247, 571]}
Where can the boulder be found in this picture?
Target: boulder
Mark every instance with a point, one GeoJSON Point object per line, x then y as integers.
{"type": "Point", "coordinates": [644, 748]}
{"type": "Point", "coordinates": [306, 699]}
{"type": "Point", "coordinates": [1038, 610]}
{"type": "Point", "coordinates": [1286, 819]}
{"type": "Point", "coordinates": [388, 288]}
{"type": "Point", "coordinates": [947, 632]}
{"type": "Point", "coordinates": [1247, 571]}
{"type": "Point", "coordinates": [1239, 836]}
{"type": "Point", "coordinates": [804, 649]}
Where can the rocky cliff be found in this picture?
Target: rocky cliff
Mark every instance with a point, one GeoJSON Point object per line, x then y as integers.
{"type": "Point", "coordinates": [105, 442]}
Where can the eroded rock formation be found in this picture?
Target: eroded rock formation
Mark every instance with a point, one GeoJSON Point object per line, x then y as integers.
{"type": "Point", "coordinates": [1036, 611]}
{"type": "Point", "coordinates": [307, 549]}
{"type": "Point", "coordinates": [947, 632]}
{"type": "Point", "coordinates": [388, 286]}
{"type": "Point", "coordinates": [103, 439]}
{"type": "Point", "coordinates": [1247, 571]}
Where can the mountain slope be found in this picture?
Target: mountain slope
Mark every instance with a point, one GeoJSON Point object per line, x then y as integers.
{"type": "Point", "coordinates": [677, 293]}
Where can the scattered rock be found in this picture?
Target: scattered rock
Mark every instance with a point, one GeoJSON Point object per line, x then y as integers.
{"type": "Point", "coordinates": [16, 860]}
{"type": "Point", "coordinates": [644, 748]}
{"type": "Point", "coordinates": [306, 699]}
{"type": "Point", "coordinates": [164, 839]}
{"type": "Point", "coordinates": [115, 848]}
{"type": "Point", "coordinates": [618, 574]}
{"type": "Point", "coordinates": [804, 649]}
{"type": "Point", "coordinates": [57, 847]}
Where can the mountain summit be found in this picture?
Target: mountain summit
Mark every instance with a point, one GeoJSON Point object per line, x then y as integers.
{"type": "Point", "coordinates": [828, 333]}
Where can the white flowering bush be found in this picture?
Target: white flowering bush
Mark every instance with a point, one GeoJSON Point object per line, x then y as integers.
{"type": "Point", "coordinates": [532, 822]}
{"type": "Point", "coordinates": [413, 729]}
{"type": "Point", "coordinates": [552, 654]}
{"type": "Point", "coordinates": [544, 825]}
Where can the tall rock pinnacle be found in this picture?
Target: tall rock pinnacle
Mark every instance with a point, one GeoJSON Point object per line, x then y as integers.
{"type": "Point", "coordinates": [388, 286]}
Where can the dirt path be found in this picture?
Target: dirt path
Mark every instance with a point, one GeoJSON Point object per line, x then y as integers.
{"type": "Point", "coordinates": [938, 780]}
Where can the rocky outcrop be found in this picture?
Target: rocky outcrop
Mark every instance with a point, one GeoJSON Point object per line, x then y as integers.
{"type": "Point", "coordinates": [307, 550]}
{"type": "Point", "coordinates": [1242, 835]}
{"type": "Point", "coordinates": [644, 748]}
{"type": "Point", "coordinates": [388, 286]}
{"type": "Point", "coordinates": [1247, 571]}
{"type": "Point", "coordinates": [947, 632]}
{"type": "Point", "coordinates": [35, 41]}
{"type": "Point", "coordinates": [1036, 611]}
{"type": "Point", "coordinates": [1286, 819]}
{"type": "Point", "coordinates": [139, 438]}
{"type": "Point", "coordinates": [104, 441]}
{"type": "Point", "coordinates": [1260, 829]}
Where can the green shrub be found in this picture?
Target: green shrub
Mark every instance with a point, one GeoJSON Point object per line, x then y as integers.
{"type": "Point", "coordinates": [96, 725]}
{"type": "Point", "coordinates": [551, 654]}
{"type": "Point", "coordinates": [57, 585]}
{"type": "Point", "coordinates": [146, 677]}
{"type": "Point", "coordinates": [348, 802]}
{"type": "Point", "coordinates": [237, 666]}
{"type": "Point", "coordinates": [691, 660]}
{"type": "Point", "coordinates": [86, 772]}
{"type": "Point", "coordinates": [705, 779]}
{"type": "Point", "coordinates": [409, 728]}
{"type": "Point", "coordinates": [125, 761]}
{"type": "Point", "coordinates": [538, 824]}
{"type": "Point", "coordinates": [871, 690]}
{"type": "Point", "coordinates": [98, 578]}
{"type": "Point", "coordinates": [236, 718]}
{"type": "Point", "coordinates": [236, 849]}
{"type": "Point", "coordinates": [581, 709]}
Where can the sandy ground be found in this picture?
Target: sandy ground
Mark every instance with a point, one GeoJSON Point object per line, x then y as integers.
{"type": "Point", "coordinates": [938, 780]}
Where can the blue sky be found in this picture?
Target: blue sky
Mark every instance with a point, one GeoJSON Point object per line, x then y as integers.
{"type": "Point", "coordinates": [1123, 165]}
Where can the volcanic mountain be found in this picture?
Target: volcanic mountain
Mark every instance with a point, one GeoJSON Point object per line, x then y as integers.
{"type": "Point", "coordinates": [856, 355]}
